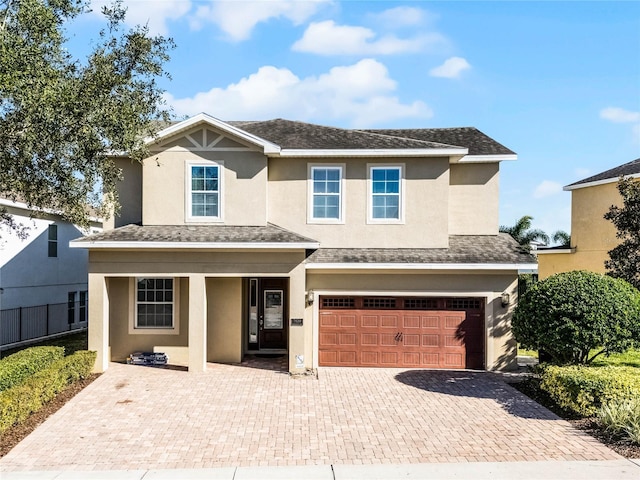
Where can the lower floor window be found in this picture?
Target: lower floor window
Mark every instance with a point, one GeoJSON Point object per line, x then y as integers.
{"type": "Point", "coordinates": [154, 303]}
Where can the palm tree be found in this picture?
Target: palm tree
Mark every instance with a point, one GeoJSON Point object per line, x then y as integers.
{"type": "Point", "coordinates": [524, 234]}
{"type": "Point", "coordinates": [562, 238]}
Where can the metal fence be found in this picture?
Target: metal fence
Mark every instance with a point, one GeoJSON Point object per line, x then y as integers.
{"type": "Point", "coordinates": [30, 323]}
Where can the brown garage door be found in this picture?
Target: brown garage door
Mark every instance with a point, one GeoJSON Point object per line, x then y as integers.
{"type": "Point", "coordinates": [402, 332]}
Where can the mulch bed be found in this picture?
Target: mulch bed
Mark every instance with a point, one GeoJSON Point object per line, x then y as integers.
{"type": "Point", "coordinates": [11, 437]}
{"type": "Point", "coordinates": [591, 426]}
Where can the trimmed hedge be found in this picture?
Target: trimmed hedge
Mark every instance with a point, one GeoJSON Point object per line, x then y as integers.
{"type": "Point", "coordinates": [585, 389]}
{"type": "Point", "coordinates": [20, 401]}
{"type": "Point", "coordinates": [15, 368]}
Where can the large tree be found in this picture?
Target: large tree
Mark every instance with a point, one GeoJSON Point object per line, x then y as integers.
{"type": "Point", "coordinates": [61, 117]}
{"type": "Point", "coordinates": [524, 234]}
{"type": "Point", "coordinates": [624, 260]}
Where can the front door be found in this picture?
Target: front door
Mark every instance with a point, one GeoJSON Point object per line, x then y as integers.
{"type": "Point", "coordinates": [268, 313]}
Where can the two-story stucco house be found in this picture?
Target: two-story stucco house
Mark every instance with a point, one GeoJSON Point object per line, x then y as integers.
{"type": "Point", "coordinates": [592, 237]}
{"type": "Point", "coordinates": [336, 247]}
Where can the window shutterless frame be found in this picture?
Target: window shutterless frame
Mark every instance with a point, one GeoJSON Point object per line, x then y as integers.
{"type": "Point", "coordinates": [385, 193]}
{"type": "Point", "coordinates": [154, 293]}
{"type": "Point", "coordinates": [325, 193]}
{"type": "Point", "coordinates": [204, 185]}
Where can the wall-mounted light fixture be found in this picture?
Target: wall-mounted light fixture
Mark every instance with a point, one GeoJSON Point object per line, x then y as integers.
{"type": "Point", "coordinates": [310, 297]}
{"type": "Point", "coordinates": [506, 298]}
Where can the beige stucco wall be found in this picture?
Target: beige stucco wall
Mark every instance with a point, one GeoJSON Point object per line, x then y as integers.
{"type": "Point", "coordinates": [244, 186]}
{"type": "Point", "coordinates": [591, 235]}
{"type": "Point", "coordinates": [224, 314]}
{"type": "Point", "coordinates": [500, 347]}
{"type": "Point", "coordinates": [473, 199]}
{"type": "Point", "coordinates": [129, 194]}
{"type": "Point", "coordinates": [120, 316]}
{"type": "Point", "coordinates": [426, 200]}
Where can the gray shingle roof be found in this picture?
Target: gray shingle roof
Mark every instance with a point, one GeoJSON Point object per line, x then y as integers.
{"type": "Point", "coordinates": [467, 249]}
{"type": "Point", "coordinates": [468, 137]}
{"type": "Point", "coordinates": [198, 234]}
{"type": "Point", "coordinates": [631, 168]}
{"type": "Point", "coordinates": [290, 134]}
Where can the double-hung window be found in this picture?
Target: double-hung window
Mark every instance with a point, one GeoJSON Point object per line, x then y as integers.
{"type": "Point", "coordinates": [204, 191]}
{"type": "Point", "coordinates": [385, 194]}
{"type": "Point", "coordinates": [154, 303]}
{"type": "Point", "coordinates": [326, 198]}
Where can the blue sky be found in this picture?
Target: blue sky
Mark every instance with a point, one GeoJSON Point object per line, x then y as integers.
{"type": "Point", "coordinates": [557, 82]}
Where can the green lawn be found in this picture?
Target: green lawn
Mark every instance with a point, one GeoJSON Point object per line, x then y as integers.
{"type": "Point", "coordinates": [71, 343]}
{"type": "Point", "coordinates": [628, 359]}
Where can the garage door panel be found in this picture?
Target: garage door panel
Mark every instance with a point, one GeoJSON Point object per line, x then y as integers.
{"type": "Point", "coordinates": [389, 358]}
{"type": "Point", "coordinates": [369, 339]}
{"type": "Point", "coordinates": [328, 320]}
{"type": "Point", "coordinates": [431, 322]}
{"type": "Point", "coordinates": [369, 358]}
{"type": "Point", "coordinates": [369, 321]}
{"type": "Point", "coordinates": [347, 339]}
{"type": "Point", "coordinates": [410, 321]}
{"type": "Point", "coordinates": [389, 337]}
{"type": "Point", "coordinates": [347, 321]}
{"type": "Point", "coordinates": [389, 321]}
{"type": "Point", "coordinates": [410, 340]}
{"type": "Point", "coordinates": [347, 357]}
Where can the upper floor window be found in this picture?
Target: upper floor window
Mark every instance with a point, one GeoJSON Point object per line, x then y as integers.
{"type": "Point", "coordinates": [385, 194]}
{"type": "Point", "coordinates": [204, 191]}
{"type": "Point", "coordinates": [53, 240]}
{"type": "Point", "coordinates": [326, 201]}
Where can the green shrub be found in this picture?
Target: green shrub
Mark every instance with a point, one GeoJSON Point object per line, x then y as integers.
{"type": "Point", "coordinates": [17, 367]}
{"type": "Point", "coordinates": [576, 316]}
{"type": "Point", "coordinates": [586, 389]}
{"type": "Point", "coordinates": [20, 401]}
{"type": "Point", "coordinates": [622, 418]}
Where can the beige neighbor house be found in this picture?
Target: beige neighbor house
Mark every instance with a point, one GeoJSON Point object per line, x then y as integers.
{"type": "Point", "coordinates": [335, 247]}
{"type": "Point", "coordinates": [592, 237]}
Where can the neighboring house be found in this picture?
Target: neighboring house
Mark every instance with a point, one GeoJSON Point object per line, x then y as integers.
{"type": "Point", "coordinates": [336, 247]}
{"type": "Point", "coordinates": [592, 237]}
{"type": "Point", "coordinates": [43, 283]}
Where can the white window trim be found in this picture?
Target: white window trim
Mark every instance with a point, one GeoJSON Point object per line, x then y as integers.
{"type": "Point", "coordinates": [204, 163]}
{"type": "Point", "coordinates": [401, 194]}
{"type": "Point", "coordinates": [133, 310]}
{"type": "Point", "coordinates": [323, 221]}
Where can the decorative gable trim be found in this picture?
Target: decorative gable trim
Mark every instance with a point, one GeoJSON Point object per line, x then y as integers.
{"type": "Point", "coordinates": [203, 118]}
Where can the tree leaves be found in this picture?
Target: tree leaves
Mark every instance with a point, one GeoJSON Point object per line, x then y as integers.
{"type": "Point", "coordinates": [61, 119]}
{"type": "Point", "coordinates": [624, 260]}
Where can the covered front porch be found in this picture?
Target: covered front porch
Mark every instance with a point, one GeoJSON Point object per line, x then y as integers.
{"type": "Point", "coordinates": [204, 293]}
{"type": "Point", "coordinates": [196, 318]}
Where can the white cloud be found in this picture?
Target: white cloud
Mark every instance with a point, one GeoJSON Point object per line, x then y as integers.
{"type": "Point", "coordinates": [619, 115]}
{"type": "Point", "coordinates": [451, 68]}
{"type": "Point", "coordinates": [238, 18]}
{"type": "Point", "coordinates": [401, 17]}
{"type": "Point", "coordinates": [327, 38]}
{"type": "Point", "coordinates": [360, 95]}
{"type": "Point", "coordinates": [143, 13]}
{"type": "Point", "coordinates": [546, 189]}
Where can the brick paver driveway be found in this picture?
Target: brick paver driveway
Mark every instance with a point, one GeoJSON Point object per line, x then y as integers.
{"type": "Point", "coordinates": [234, 415]}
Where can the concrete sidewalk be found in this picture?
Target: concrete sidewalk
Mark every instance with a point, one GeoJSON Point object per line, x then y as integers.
{"type": "Point", "coordinates": [552, 470]}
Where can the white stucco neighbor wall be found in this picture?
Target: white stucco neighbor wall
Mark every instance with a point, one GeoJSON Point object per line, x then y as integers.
{"type": "Point", "coordinates": [28, 276]}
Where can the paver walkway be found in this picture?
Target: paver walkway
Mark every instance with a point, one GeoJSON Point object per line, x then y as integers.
{"type": "Point", "coordinates": [136, 417]}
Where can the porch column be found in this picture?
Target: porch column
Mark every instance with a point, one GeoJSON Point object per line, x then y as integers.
{"type": "Point", "coordinates": [98, 324]}
{"type": "Point", "coordinates": [197, 323]}
{"type": "Point", "coordinates": [300, 356]}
